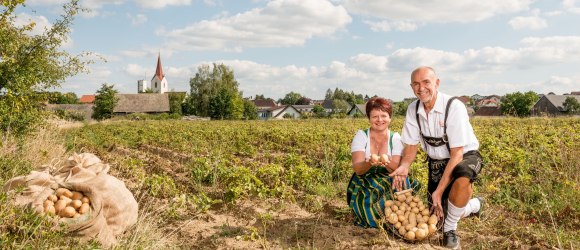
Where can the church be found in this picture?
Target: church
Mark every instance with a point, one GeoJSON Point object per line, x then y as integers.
{"type": "Point", "coordinates": [158, 82]}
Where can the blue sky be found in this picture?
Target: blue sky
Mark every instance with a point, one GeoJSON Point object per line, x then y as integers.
{"type": "Point", "coordinates": [308, 46]}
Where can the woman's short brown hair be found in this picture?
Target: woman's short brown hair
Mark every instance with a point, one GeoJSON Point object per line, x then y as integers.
{"type": "Point", "coordinates": [379, 103]}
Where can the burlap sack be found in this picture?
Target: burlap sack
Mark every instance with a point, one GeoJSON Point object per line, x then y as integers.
{"type": "Point", "coordinates": [113, 207]}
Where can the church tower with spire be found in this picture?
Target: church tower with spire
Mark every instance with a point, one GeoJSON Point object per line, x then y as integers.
{"type": "Point", "coordinates": [159, 82]}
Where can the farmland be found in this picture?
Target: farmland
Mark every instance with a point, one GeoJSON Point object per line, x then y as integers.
{"type": "Point", "coordinates": [281, 184]}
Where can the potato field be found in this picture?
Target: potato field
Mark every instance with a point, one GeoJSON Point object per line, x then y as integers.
{"type": "Point", "coordinates": [282, 184]}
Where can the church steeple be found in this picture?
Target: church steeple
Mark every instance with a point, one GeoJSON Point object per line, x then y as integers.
{"type": "Point", "coordinates": [159, 70]}
{"type": "Point", "coordinates": [159, 82]}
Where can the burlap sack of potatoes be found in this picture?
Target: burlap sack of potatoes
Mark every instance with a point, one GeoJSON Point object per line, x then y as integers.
{"type": "Point", "coordinates": [113, 208]}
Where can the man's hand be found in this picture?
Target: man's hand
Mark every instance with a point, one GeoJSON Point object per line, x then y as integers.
{"type": "Point", "coordinates": [437, 208]}
{"type": "Point", "coordinates": [399, 176]}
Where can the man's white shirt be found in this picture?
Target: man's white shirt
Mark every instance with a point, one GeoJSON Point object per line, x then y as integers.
{"type": "Point", "coordinates": [459, 130]}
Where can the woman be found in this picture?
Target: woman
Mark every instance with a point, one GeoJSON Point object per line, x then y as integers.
{"type": "Point", "coordinates": [370, 184]}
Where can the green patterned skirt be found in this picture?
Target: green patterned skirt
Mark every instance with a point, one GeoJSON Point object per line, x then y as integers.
{"type": "Point", "coordinates": [366, 195]}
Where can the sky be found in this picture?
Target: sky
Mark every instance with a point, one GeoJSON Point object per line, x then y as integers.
{"type": "Point", "coordinates": [309, 46]}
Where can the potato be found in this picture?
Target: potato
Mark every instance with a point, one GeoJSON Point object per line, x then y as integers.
{"type": "Point", "coordinates": [400, 212]}
{"type": "Point", "coordinates": [420, 203]}
{"type": "Point", "coordinates": [384, 158]}
{"type": "Point", "coordinates": [398, 203]}
{"type": "Point", "coordinates": [395, 208]}
{"type": "Point", "coordinates": [420, 219]}
{"type": "Point", "coordinates": [389, 203]}
{"type": "Point", "coordinates": [47, 203]}
{"type": "Point", "coordinates": [420, 234]}
{"type": "Point", "coordinates": [413, 204]}
{"type": "Point", "coordinates": [412, 219]}
{"type": "Point", "coordinates": [409, 199]}
{"type": "Point", "coordinates": [416, 199]}
{"type": "Point", "coordinates": [63, 191]}
{"type": "Point", "coordinates": [432, 228]}
{"type": "Point", "coordinates": [420, 207]}
{"type": "Point", "coordinates": [403, 208]}
{"type": "Point", "coordinates": [76, 204]}
{"type": "Point", "coordinates": [426, 218]}
{"type": "Point", "coordinates": [388, 211]}
{"type": "Point", "coordinates": [53, 198]}
{"type": "Point", "coordinates": [76, 195]}
{"type": "Point", "coordinates": [401, 218]}
{"type": "Point", "coordinates": [85, 208]}
{"type": "Point", "coordinates": [375, 158]}
{"type": "Point", "coordinates": [423, 226]}
{"type": "Point", "coordinates": [401, 198]}
{"type": "Point", "coordinates": [86, 200]}
{"type": "Point", "coordinates": [49, 210]}
{"type": "Point", "coordinates": [410, 236]}
{"type": "Point", "coordinates": [415, 210]}
{"type": "Point", "coordinates": [67, 212]}
{"type": "Point", "coordinates": [408, 194]}
{"type": "Point", "coordinates": [402, 231]}
{"type": "Point", "coordinates": [77, 215]}
{"type": "Point", "coordinates": [408, 227]}
{"type": "Point", "coordinates": [398, 225]}
{"type": "Point", "coordinates": [59, 205]}
{"type": "Point", "coordinates": [425, 212]}
{"type": "Point", "coordinates": [433, 220]}
{"type": "Point", "coordinates": [64, 198]}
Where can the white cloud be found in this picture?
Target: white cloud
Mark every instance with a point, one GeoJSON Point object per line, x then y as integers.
{"type": "Point", "coordinates": [281, 23]}
{"type": "Point", "coordinates": [386, 26]}
{"type": "Point", "coordinates": [436, 10]}
{"type": "Point", "coordinates": [158, 4]}
{"type": "Point", "coordinates": [41, 24]}
{"type": "Point", "coordinates": [528, 22]}
{"type": "Point", "coordinates": [137, 19]}
{"type": "Point", "coordinates": [369, 63]}
{"type": "Point", "coordinates": [570, 5]}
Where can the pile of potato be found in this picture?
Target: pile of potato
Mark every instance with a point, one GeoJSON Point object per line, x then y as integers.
{"type": "Point", "coordinates": [410, 216]}
{"type": "Point", "coordinates": [66, 203]}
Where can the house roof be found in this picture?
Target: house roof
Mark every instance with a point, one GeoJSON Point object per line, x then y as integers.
{"type": "Point", "coordinates": [287, 107]}
{"type": "Point", "coordinates": [361, 107]}
{"type": "Point", "coordinates": [265, 103]}
{"type": "Point", "coordinates": [464, 99]}
{"type": "Point", "coordinates": [558, 100]}
{"type": "Point", "coordinates": [303, 106]}
{"type": "Point", "coordinates": [87, 99]}
{"type": "Point", "coordinates": [488, 111]}
{"type": "Point", "coordinates": [142, 103]}
{"type": "Point", "coordinates": [575, 93]}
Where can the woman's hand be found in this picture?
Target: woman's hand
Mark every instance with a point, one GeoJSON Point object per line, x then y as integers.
{"type": "Point", "coordinates": [399, 176]}
{"type": "Point", "coordinates": [437, 208]}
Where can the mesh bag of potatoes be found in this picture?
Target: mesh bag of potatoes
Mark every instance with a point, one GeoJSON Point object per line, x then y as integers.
{"type": "Point", "coordinates": [82, 195]}
{"type": "Point", "coordinates": [409, 218]}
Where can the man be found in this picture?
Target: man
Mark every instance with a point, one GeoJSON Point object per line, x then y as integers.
{"type": "Point", "coordinates": [441, 125]}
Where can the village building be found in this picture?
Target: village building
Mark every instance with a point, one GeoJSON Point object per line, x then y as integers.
{"type": "Point", "coordinates": [488, 111]}
{"type": "Point", "coordinates": [552, 105]}
{"type": "Point", "coordinates": [87, 99]}
{"type": "Point", "coordinates": [141, 103]}
{"type": "Point", "coordinates": [159, 82]}
{"type": "Point", "coordinates": [279, 112]}
{"type": "Point", "coordinates": [358, 110]}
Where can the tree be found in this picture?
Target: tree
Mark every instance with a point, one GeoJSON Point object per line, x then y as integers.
{"type": "Point", "coordinates": [175, 101]}
{"type": "Point", "coordinates": [571, 105]}
{"type": "Point", "coordinates": [518, 104]}
{"type": "Point", "coordinates": [250, 110]}
{"type": "Point", "coordinates": [340, 106]}
{"type": "Point", "coordinates": [31, 64]}
{"type": "Point", "coordinates": [304, 101]}
{"type": "Point", "coordinates": [105, 102]}
{"type": "Point", "coordinates": [60, 98]}
{"type": "Point", "coordinates": [319, 111]}
{"type": "Point", "coordinates": [214, 93]}
{"type": "Point", "coordinates": [290, 98]}
{"type": "Point", "coordinates": [400, 108]}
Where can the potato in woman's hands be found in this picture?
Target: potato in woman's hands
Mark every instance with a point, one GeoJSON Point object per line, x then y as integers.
{"type": "Point", "coordinates": [384, 158]}
{"type": "Point", "coordinates": [374, 159]}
